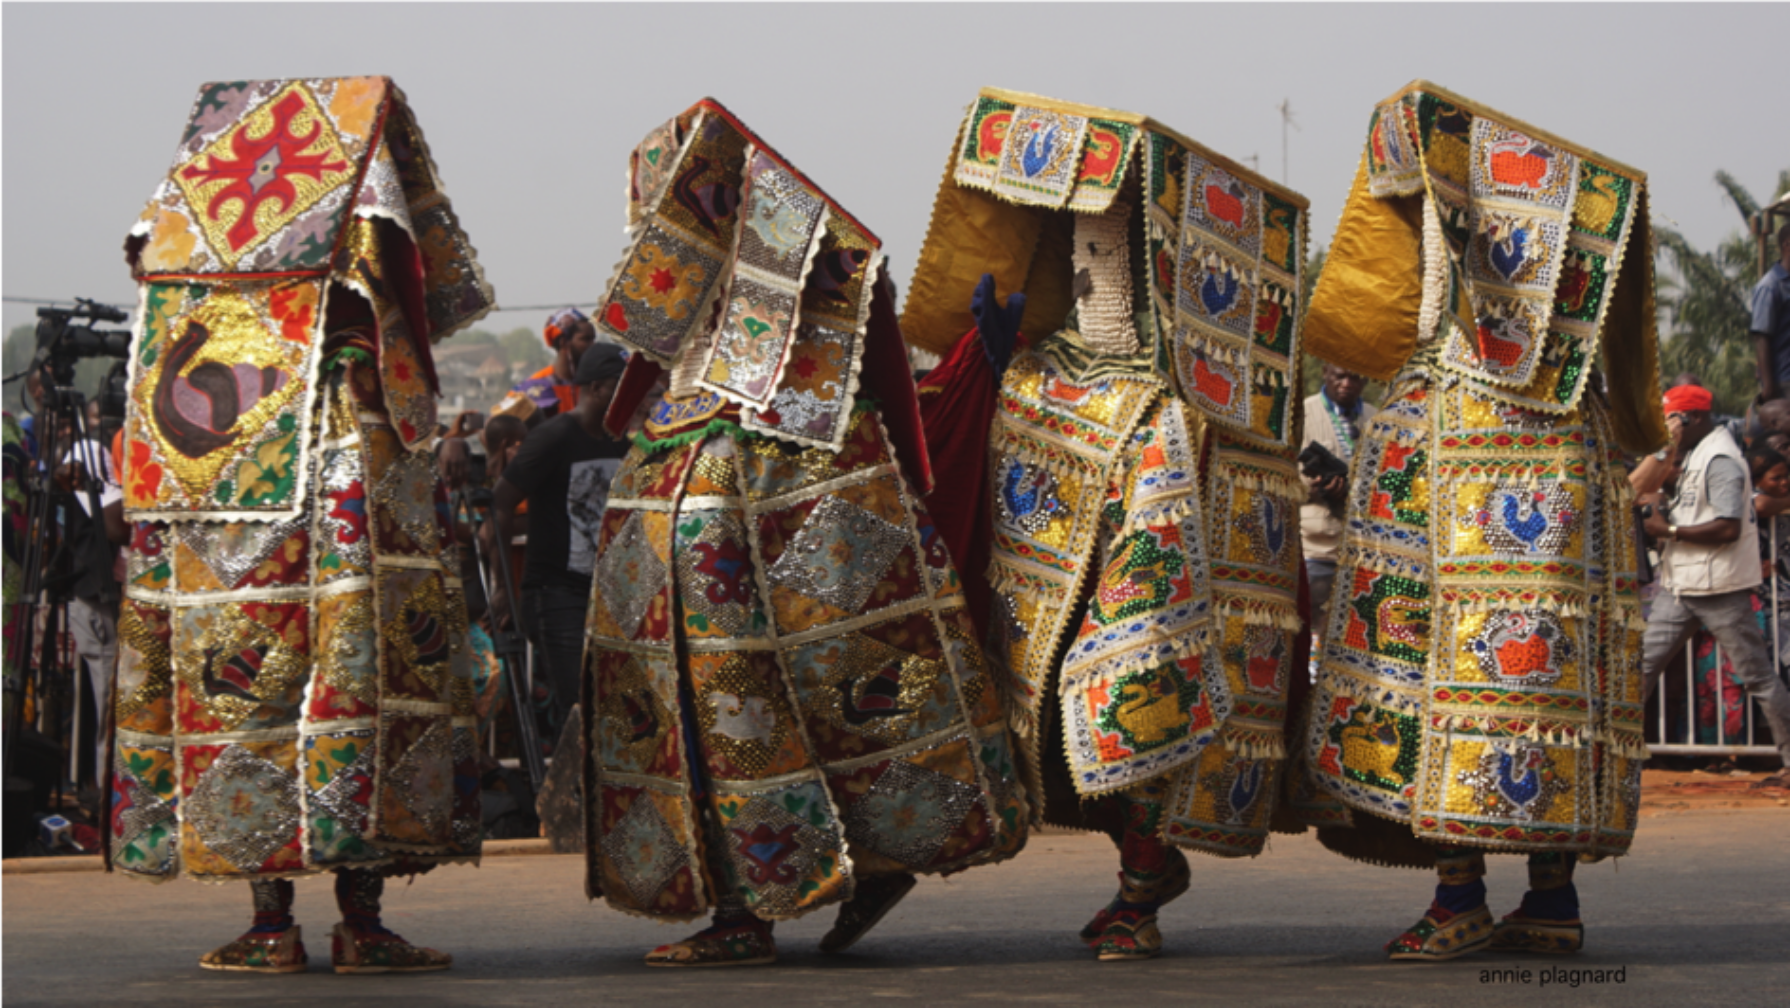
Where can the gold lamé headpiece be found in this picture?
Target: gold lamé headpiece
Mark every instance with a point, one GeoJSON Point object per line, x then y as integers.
{"type": "Point", "coordinates": [1214, 251]}
{"type": "Point", "coordinates": [1525, 255]}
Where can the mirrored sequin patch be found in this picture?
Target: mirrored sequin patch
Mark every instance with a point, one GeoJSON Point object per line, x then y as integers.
{"type": "Point", "coordinates": [644, 850]}
{"type": "Point", "coordinates": [839, 556]}
{"type": "Point", "coordinates": [909, 813]}
{"type": "Point", "coordinates": [144, 823]}
{"type": "Point", "coordinates": [244, 808]}
{"type": "Point", "coordinates": [233, 550]}
{"type": "Point", "coordinates": [405, 494]}
{"type": "Point", "coordinates": [344, 547]}
{"type": "Point", "coordinates": [424, 778]}
{"type": "Point", "coordinates": [630, 575]}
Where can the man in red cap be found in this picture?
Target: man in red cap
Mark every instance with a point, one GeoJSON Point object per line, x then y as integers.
{"type": "Point", "coordinates": [1710, 562]}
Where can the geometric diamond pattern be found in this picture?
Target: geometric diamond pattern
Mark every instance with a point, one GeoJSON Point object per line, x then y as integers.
{"type": "Point", "coordinates": [644, 850]}
{"type": "Point", "coordinates": [244, 808]}
{"type": "Point", "coordinates": [909, 813]}
{"type": "Point", "coordinates": [840, 554]}
{"type": "Point", "coordinates": [629, 575]}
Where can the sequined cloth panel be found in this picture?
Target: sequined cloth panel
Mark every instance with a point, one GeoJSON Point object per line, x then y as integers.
{"type": "Point", "coordinates": [309, 721]}
{"type": "Point", "coordinates": [843, 712]}
{"type": "Point", "coordinates": [1478, 681]}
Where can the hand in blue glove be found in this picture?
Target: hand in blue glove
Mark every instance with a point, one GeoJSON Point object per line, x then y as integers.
{"type": "Point", "coordinates": [999, 325]}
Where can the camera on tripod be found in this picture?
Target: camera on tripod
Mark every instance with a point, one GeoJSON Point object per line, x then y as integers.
{"type": "Point", "coordinates": [62, 342]}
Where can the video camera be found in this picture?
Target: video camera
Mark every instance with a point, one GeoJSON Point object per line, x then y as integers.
{"type": "Point", "coordinates": [1320, 463]}
{"type": "Point", "coordinates": [62, 343]}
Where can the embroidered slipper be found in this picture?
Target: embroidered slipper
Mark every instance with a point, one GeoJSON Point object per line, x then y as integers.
{"type": "Point", "coordinates": [874, 898]}
{"type": "Point", "coordinates": [1518, 933]}
{"type": "Point", "coordinates": [382, 951]}
{"type": "Point", "coordinates": [1130, 936]}
{"type": "Point", "coordinates": [1175, 882]}
{"type": "Point", "coordinates": [1442, 935]}
{"type": "Point", "coordinates": [276, 952]}
{"type": "Point", "coordinates": [747, 944]}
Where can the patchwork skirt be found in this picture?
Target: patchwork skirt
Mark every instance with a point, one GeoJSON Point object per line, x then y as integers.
{"type": "Point", "coordinates": [296, 695]}
{"type": "Point", "coordinates": [786, 691]}
{"type": "Point", "coordinates": [1480, 681]}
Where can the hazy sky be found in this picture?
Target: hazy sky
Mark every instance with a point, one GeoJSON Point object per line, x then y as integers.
{"type": "Point", "coordinates": [531, 109]}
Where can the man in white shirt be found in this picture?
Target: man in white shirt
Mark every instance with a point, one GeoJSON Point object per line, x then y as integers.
{"type": "Point", "coordinates": [1710, 563]}
{"type": "Point", "coordinates": [1334, 418]}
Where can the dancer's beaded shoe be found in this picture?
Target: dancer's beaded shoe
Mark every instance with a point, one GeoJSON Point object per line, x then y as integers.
{"type": "Point", "coordinates": [381, 951]}
{"type": "Point", "coordinates": [874, 898]}
{"type": "Point", "coordinates": [1442, 934]}
{"type": "Point", "coordinates": [1129, 935]}
{"type": "Point", "coordinates": [265, 952]}
{"type": "Point", "coordinates": [746, 943]}
{"type": "Point", "coordinates": [1518, 932]}
{"type": "Point", "coordinates": [1174, 882]}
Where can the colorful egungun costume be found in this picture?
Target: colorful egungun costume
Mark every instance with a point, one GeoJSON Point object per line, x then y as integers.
{"type": "Point", "coordinates": [293, 687]}
{"type": "Point", "coordinates": [787, 700]}
{"type": "Point", "coordinates": [1479, 687]}
{"type": "Point", "coordinates": [1134, 475]}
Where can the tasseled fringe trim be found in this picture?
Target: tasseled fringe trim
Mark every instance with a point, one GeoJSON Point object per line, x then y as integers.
{"type": "Point", "coordinates": [1569, 736]}
{"type": "Point", "coordinates": [1274, 483]}
{"type": "Point", "coordinates": [1219, 352]}
{"type": "Point", "coordinates": [1254, 743]}
{"type": "Point", "coordinates": [1628, 745]}
{"type": "Point", "coordinates": [1141, 658]}
{"type": "Point", "coordinates": [1383, 563]}
{"type": "Point", "coordinates": [1481, 604]}
{"type": "Point", "coordinates": [1172, 510]}
{"type": "Point", "coordinates": [716, 426]}
{"type": "Point", "coordinates": [1261, 612]}
{"type": "Point", "coordinates": [1059, 461]}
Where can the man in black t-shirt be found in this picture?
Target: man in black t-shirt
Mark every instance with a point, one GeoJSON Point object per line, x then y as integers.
{"type": "Point", "coordinates": [562, 470]}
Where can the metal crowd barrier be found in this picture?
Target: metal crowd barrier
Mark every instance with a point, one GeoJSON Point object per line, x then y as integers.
{"type": "Point", "coordinates": [1672, 729]}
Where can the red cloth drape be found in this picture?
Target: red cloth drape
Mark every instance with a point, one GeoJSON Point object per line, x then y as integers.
{"type": "Point", "coordinates": [888, 378]}
{"type": "Point", "coordinates": [957, 404]}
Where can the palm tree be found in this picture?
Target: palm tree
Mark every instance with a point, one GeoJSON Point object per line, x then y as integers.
{"type": "Point", "coordinates": [1705, 304]}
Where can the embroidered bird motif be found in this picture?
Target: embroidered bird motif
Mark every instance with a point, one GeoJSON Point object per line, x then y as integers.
{"type": "Point", "coordinates": [1244, 789]}
{"type": "Point", "coordinates": [429, 637]}
{"type": "Point", "coordinates": [1027, 497]}
{"type": "Point", "coordinates": [197, 411]}
{"type": "Point", "coordinates": [709, 204]}
{"type": "Point", "coordinates": [1274, 526]}
{"type": "Point", "coordinates": [1526, 529]}
{"type": "Point", "coordinates": [1519, 775]}
{"type": "Point", "coordinates": [1036, 156]}
{"type": "Point", "coordinates": [1509, 252]}
{"type": "Point", "coordinates": [879, 697]}
{"type": "Point", "coordinates": [643, 719]}
{"type": "Point", "coordinates": [749, 719]}
{"type": "Point", "coordinates": [1219, 291]}
{"type": "Point", "coordinates": [235, 675]}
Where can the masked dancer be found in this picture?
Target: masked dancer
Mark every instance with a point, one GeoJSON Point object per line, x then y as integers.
{"type": "Point", "coordinates": [1479, 688]}
{"type": "Point", "coordinates": [294, 692]}
{"type": "Point", "coordinates": [788, 705]}
{"type": "Point", "coordinates": [1126, 480]}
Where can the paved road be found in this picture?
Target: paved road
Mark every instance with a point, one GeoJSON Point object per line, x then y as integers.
{"type": "Point", "coordinates": [1699, 914]}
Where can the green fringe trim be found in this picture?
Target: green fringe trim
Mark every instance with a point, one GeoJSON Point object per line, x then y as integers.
{"type": "Point", "coordinates": [722, 426]}
{"type": "Point", "coordinates": [715, 426]}
{"type": "Point", "coordinates": [337, 360]}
